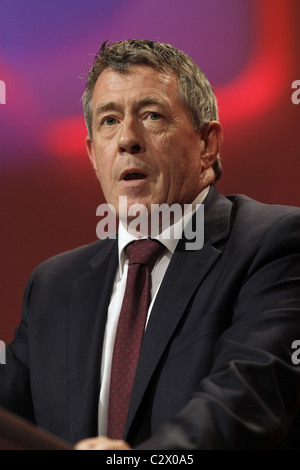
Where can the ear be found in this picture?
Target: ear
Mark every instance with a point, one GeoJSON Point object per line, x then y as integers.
{"type": "Point", "coordinates": [91, 152]}
{"type": "Point", "coordinates": [211, 139]}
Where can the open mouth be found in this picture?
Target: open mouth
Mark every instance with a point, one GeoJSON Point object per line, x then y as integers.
{"type": "Point", "coordinates": [134, 176]}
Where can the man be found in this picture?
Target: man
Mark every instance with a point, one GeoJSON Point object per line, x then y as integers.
{"type": "Point", "coordinates": [215, 367]}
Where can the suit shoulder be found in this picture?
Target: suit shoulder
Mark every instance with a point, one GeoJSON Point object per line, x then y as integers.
{"type": "Point", "coordinates": [74, 262]}
{"type": "Point", "coordinates": [248, 210]}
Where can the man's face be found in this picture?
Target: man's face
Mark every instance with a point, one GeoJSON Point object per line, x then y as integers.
{"type": "Point", "coordinates": [144, 145]}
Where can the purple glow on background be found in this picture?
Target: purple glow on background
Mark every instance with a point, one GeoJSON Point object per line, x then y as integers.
{"type": "Point", "coordinates": [46, 49]}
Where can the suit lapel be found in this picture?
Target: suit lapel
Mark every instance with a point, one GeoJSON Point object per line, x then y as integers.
{"type": "Point", "coordinates": [90, 298]}
{"type": "Point", "coordinates": [184, 275]}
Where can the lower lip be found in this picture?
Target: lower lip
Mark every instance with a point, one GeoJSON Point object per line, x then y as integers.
{"type": "Point", "coordinates": [134, 183]}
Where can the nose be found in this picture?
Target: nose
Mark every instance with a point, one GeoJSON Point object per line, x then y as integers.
{"type": "Point", "coordinates": [130, 139]}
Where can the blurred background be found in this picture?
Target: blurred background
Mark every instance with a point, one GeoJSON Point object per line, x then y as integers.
{"type": "Point", "coordinates": [249, 50]}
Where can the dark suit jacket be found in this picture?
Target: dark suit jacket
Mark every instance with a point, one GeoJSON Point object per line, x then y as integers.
{"type": "Point", "coordinates": [215, 368]}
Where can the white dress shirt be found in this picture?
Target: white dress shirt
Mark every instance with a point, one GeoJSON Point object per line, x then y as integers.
{"type": "Point", "coordinates": [115, 305]}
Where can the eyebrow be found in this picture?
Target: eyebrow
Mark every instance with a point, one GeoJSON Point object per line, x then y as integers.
{"type": "Point", "coordinates": [113, 106]}
{"type": "Point", "coordinates": [110, 106]}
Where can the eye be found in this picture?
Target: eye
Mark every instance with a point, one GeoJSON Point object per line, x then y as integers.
{"type": "Point", "coordinates": [155, 116]}
{"type": "Point", "coordinates": [109, 121]}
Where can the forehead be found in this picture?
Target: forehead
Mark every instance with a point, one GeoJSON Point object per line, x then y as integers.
{"type": "Point", "coordinates": [137, 81]}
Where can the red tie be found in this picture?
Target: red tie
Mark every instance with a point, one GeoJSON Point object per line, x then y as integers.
{"type": "Point", "coordinates": [142, 256]}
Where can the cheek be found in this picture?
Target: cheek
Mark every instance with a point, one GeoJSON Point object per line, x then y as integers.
{"type": "Point", "coordinates": [158, 145]}
{"type": "Point", "coordinates": [166, 154]}
{"type": "Point", "coordinates": [104, 175]}
{"type": "Point", "coordinates": [104, 159]}
{"type": "Point", "coordinates": [185, 167]}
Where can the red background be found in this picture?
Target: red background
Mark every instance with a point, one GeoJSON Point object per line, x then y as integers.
{"type": "Point", "coordinates": [48, 205]}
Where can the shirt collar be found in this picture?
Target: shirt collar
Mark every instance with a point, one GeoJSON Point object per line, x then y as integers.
{"type": "Point", "coordinates": [168, 237]}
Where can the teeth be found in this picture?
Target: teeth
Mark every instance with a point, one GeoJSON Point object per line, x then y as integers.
{"type": "Point", "coordinates": [134, 176]}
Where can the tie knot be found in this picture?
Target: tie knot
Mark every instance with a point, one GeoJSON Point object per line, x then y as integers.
{"type": "Point", "coordinates": [144, 252]}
